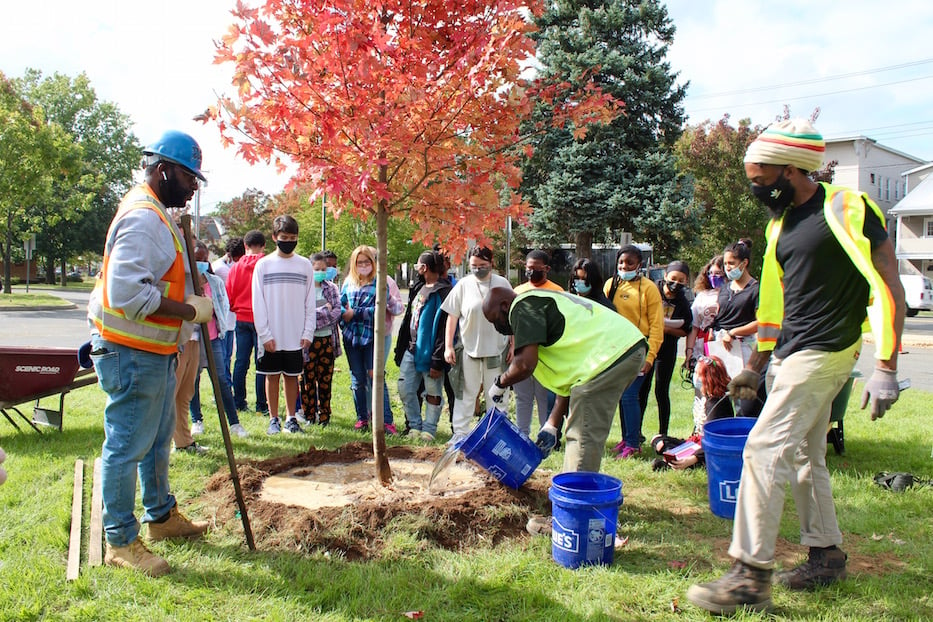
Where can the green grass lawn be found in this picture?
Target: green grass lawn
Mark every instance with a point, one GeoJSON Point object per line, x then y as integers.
{"type": "Point", "coordinates": [22, 300]}
{"type": "Point", "coordinates": [673, 539]}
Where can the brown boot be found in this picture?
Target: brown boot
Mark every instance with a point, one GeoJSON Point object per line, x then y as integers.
{"type": "Point", "coordinates": [177, 526]}
{"type": "Point", "coordinates": [743, 586]}
{"type": "Point", "coordinates": [823, 566]}
{"type": "Point", "coordinates": [135, 555]}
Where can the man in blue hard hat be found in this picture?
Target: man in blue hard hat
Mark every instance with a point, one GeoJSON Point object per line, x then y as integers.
{"type": "Point", "coordinates": [141, 309]}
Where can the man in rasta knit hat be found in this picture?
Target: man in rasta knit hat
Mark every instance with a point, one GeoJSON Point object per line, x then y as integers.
{"type": "Point", "coordinates": [828, 264]}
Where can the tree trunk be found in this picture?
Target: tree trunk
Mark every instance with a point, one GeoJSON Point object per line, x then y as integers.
{"type": "Point", "coordinates": [383, 471]}
{"type": "Point", "coordinates": [7, 255]}
{"type": "Point", "coordinates": [64, 274]}
{"type": "Point", "coordinates": [584, 244]}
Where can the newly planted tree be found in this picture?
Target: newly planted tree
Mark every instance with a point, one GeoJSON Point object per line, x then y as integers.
{"type": "Point", "coordinates": [407, 109]}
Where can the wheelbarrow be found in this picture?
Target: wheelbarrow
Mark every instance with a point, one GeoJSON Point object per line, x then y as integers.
{"type": "Point", "coordinates": [28, 374]}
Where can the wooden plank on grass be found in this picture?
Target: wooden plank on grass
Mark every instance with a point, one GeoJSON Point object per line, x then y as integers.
{"type": "Point", "coordinates": [94, 557]}
{"type": "Point", "coordinates": [74, 545]}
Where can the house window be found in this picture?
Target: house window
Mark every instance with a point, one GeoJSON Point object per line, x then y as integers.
{"type": "Point", "coordinates": [872, 178]}
{"type": "Point", "coordinates": [897, 189]}
{"type": "Point", "coordinates": [880, 183]}
{"type": "Point", "coordinates": [887, 189]}
{"type": "Point", "coordinates": [928, 227]}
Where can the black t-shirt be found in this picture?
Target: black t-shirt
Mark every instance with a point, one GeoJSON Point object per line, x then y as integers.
{"type": "Point", "coordinates": [736, 308]}
{"type": "Point", "coordinates": [676, 309]}
{"type": "Point", "coordinates": [825, 295]}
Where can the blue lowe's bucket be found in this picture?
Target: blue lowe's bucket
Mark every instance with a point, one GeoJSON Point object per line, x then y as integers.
{"type": "Point", "coordinates": [585, 508]}
{"type": "Point", "coordinates": [723, 443]}
{"type": "Point", "coordinates": [497, 445]}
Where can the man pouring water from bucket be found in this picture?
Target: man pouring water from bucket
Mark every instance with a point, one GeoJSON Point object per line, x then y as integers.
{"type": "Point", "coordinates": [828, 264]}
{"type": "Point", "coordinates": [586, 354]}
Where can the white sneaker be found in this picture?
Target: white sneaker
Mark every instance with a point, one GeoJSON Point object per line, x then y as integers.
{"type": "Point", "coordinates": [300, 415]}
{"type": "Point", "coordinates": [197, 428]}
{"type": "Point", "coordinates": [239, 430]}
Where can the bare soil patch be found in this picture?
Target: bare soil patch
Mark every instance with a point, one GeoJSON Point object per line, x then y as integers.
{"type": "Point", "coordinates": [347, 512]}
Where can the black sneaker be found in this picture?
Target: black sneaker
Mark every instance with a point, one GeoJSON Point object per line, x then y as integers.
{"type": "Point", "coordinates": [292, 427]}
{"type": "Point", "coordinates": [823, 566]}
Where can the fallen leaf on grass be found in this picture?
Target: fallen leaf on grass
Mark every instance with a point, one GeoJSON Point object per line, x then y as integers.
{"type": "Point", "coordinates": [876, 537]}
{"type": "Point", "coordinates": [674, 606]}
{"type": "Point", "coordinates": [414, 615]}
{"type": "Point", "coordinates": [677, 564]}
{"type": "Point", "coordinates": [620, 542]}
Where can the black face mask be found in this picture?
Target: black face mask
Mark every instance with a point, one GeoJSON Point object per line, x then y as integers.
{"type": "Point", "coordinates": [502, 326]}
{"type": "Point", "coordinates": [535, 276]}
{"type": "Point", "coordinates": [777, 197]}
{"type": "Point", "coordinates": [674, 288]}
{"type": "Point", "coordinates": [288, 247]}
{"type": "Point", "coordinates": [172, 192]}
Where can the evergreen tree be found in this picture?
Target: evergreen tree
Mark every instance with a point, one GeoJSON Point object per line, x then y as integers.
{"type": "Point", "coordinates": [618, 175]}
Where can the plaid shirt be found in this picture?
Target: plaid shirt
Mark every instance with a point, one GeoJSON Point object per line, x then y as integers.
{"type": "Point", "coordinates": [359, 330]}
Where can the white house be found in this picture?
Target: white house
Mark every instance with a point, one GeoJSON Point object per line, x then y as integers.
{"type": "Point", "coordinates": [913, 231]}
{"type": "Point", "coordinates": [870, 167]}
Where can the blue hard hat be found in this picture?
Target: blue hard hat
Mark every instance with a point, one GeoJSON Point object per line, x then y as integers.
{"type": "Point", "coordinates": [178, 148]}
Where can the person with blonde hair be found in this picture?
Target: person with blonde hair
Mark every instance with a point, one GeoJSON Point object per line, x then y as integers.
{"type": "Point", "coordinates": [358, 299]}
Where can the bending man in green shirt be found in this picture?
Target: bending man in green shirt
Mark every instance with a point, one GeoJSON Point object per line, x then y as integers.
{"type": "Point", "coordinates": [583, 352]}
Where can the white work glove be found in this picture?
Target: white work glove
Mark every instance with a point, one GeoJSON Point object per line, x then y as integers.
{"type": "Point", "coordinates": [745, 385]}
{"type": "Point", "coordinates": [203, 308]}
{"type": "Point", "coordinates": [882, 390]}
{"type": "Point", "coordinates": [547, 439]}
{"type": "Point", "coordinates": [495, 396]}
{"type": "Point", "coordinates": [2, 470]}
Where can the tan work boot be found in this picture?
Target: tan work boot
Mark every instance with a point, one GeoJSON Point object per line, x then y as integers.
{"type": "Point", "coordinates": [177, 526]}
{"type": "Point", "coordinates": [742, 587]}
{"type": "Point", "coordinates": [821, 568]}
{"type": "Point", "coordinates": [135, 555]}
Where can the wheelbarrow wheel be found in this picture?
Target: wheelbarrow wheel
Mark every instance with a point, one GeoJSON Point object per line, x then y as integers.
{"type": "Point", "coordinates": [837, 439]}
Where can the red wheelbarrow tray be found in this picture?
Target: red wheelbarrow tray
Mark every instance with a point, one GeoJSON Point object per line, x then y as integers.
{"type": "Point", "coordinates": [30, 373]}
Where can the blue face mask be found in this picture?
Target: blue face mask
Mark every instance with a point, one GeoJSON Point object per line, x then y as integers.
{"type": "Point", "coordinates": [320, 277]}
{"type": "Point", "coordinates": [734, 274]}
{"type": "Point", "coordinates": [331, 273]}
{"type": "Point", "coordinates": [628, 276]}
{"type": "Point", "coordinates": [203, 266]}
{"type": "Point", "coordinates": [582, 288]}
{"type": "Point", "coordinates": [716, 281]}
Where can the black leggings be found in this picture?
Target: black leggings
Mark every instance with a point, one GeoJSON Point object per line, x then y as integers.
{"type": "Point", "coordinates": [663, 371]}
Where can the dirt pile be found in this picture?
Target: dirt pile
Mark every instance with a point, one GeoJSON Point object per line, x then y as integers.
{"type": "Point", "coordinates": [330, 500]}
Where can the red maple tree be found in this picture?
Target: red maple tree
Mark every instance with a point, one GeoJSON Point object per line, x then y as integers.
{"type": "Point", "coordinates": [395, 108]}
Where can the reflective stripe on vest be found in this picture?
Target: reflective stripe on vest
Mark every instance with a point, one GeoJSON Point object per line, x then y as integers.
{"type": "Point", "coordinates": [587, 347]}
{"type": "Point", "coordinates": [155, 333]}
{"type": "Point", "coordinates": [844, 211]}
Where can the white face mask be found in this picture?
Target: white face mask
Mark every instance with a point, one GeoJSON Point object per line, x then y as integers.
{"type": "Point", "coordinates": [364, 270]}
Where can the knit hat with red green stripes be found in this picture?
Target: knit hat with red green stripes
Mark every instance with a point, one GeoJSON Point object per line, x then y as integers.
{"type": "Point", "coordinates": [794, 141]}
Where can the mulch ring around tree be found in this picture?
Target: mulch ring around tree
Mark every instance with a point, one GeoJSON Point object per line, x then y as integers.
{"type": "Point", "coordinates": [471, 509]}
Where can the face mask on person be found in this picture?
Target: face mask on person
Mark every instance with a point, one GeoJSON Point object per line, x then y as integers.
{"type": "Point", "coordinates": [582, 288]}
{"type": "Point", "coordinates": [735, 273]}
{"type": "Point", "coordinates": [502, 325]}
{"type": "Point", "coordinates": [627, 275]}
{"type": "Point", "coordinates": [481, 273]}
{"type": "Point", "coordinates": [674, 287]}
{"type": "Point", "coordinates": [715, 281]}
{"type": "Point", "coordinates": [331, 273]}
{"type": "Point", "coordinates": [535, 276]}
{"type": "Point", "coordinates": [364, 270]}
{"type": "Point", "coordinates": [319, 277]}
{"type": "Point", "coordinates": [286, 247]}
{"type": "Point", "coordinates": [777, 197]}
{"type": "Point", "coordinates": [202, 266]}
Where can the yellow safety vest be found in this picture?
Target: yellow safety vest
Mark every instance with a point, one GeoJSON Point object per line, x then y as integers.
{"type": "Point", "coordinates": [156, 333]}
{"type": "Point", "coordinates": [844, 211]}
{"type": "Point", "coordinates": [594, 338]}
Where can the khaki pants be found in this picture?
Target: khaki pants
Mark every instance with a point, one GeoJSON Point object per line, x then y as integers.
{"type": "Point", "coordinates": [186, 373]}
{"type": "Point", "coordinates": [592, 410]}
{"type": "Point", "coordinates": [476, 373]}
{"type": "Point", "coordinates": [788, 445]}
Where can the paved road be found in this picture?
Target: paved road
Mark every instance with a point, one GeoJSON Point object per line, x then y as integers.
{"type": "Point", "coordinates": [68, 328]}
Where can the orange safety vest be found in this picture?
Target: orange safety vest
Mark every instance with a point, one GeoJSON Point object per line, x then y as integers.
{"type": "Point", "coordinates": [156, 333]}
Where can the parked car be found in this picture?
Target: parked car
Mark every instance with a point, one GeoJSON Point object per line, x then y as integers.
{"type": "Point", "coordinates": [918, 291]}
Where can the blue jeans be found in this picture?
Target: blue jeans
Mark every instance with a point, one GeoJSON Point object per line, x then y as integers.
{"type": "Point", "coordinates": [218, 347]}
{"type": "Point", "coordinates": [247, 344]}
{"type": "Point", "coordinates": [139, 421]}
{"type": "Point", "coordinates": [409, 380]}
{"type": "Point", "coordinates": [360, 361]}
{"type": "Point", "coordinates": [631, 412]}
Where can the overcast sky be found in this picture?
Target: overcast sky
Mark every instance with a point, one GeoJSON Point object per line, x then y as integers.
{"type": "Point", "coordinates": [867, 65]}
